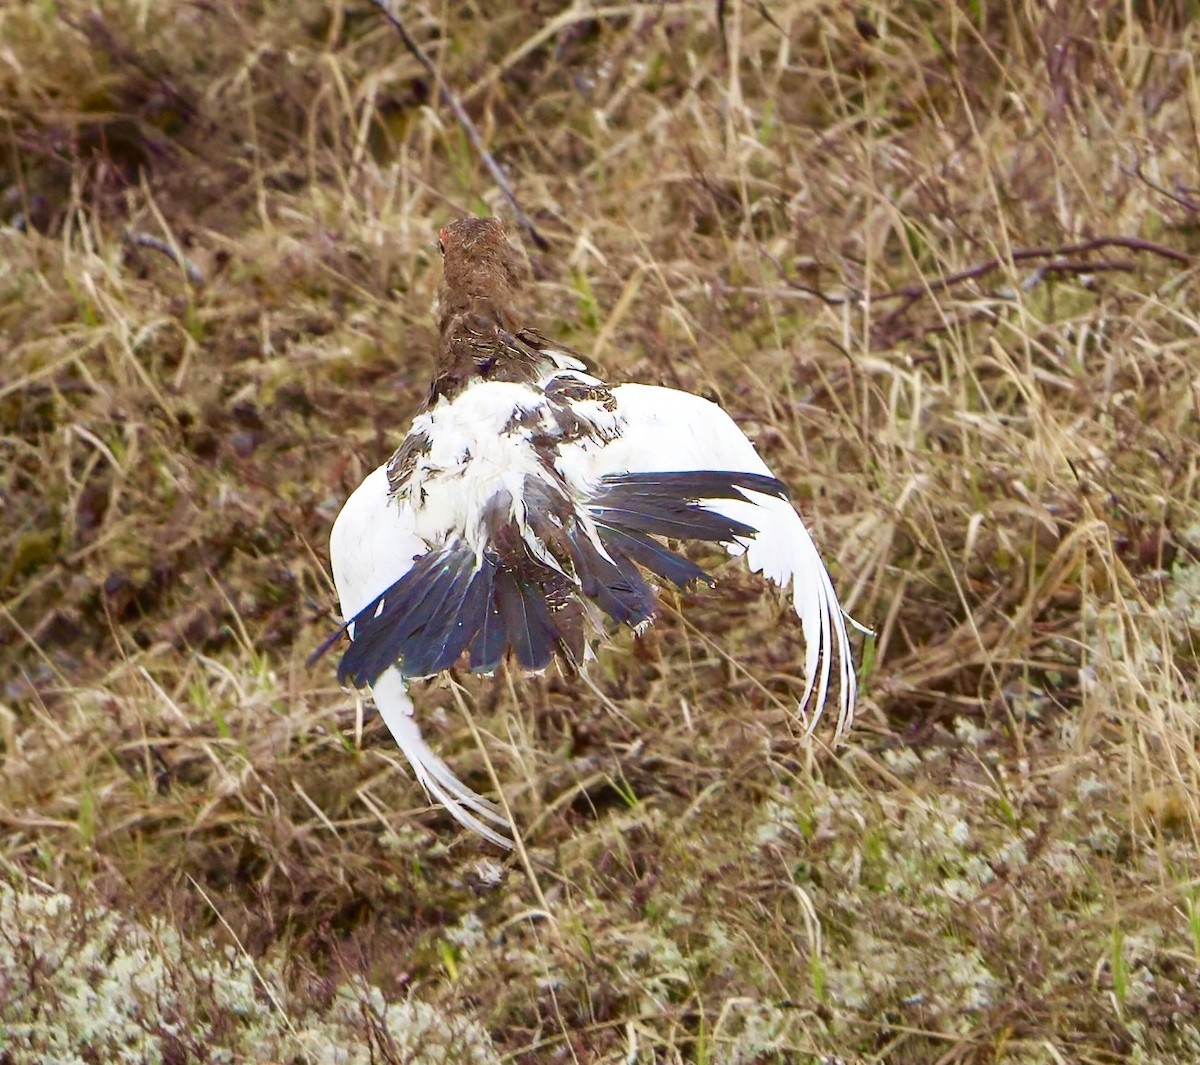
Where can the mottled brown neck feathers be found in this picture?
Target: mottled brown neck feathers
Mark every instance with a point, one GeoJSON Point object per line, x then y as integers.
{"type": "Point", "coordinates": [480, 333]}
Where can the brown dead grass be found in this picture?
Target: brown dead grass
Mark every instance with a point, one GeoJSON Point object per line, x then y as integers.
{"type": "Point", "coordinates": [1004, 862]}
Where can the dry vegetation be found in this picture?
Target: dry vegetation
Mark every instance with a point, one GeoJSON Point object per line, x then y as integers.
{"type": "Point", "coordinates": [217, 264]}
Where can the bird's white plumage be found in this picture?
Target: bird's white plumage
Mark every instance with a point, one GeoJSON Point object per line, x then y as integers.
{"type": "Point", "coordinates": [483, 440]}
{"type": "Point", "coordinates": [477, 441]}
{"type": "Point", "coordinates": [372, 544]}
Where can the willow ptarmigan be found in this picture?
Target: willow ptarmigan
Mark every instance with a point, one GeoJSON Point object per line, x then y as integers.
{"type": "Point", "coordinates": [529, 499]}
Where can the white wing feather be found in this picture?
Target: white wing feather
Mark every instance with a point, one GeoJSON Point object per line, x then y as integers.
{"type": "Point", "coordinates": [372, 546]}
{"type": "Point", "coordinates": [666, 430]}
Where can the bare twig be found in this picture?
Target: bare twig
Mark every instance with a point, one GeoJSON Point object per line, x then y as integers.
{"type": "Point", "coordinates": [722, 35]}
{"type": "Point", "coordinates": [1180, 197]}
{"type": "Point", "coordinates": [1021, 255]}
{"type": "Point", "coordinates": [910, 294]}
{"type": "Point", "coordinates": [1100, 267]}
{"type": "Point", "coordinates": [827, 298]}
{"type": "Point", "coordinates": [464, 120]}
{"type": "Point", "coordinates": [148, 240]}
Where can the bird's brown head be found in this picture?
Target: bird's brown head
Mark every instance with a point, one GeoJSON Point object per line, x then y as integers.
{"type": "Point", "coordinates": [483, 271]}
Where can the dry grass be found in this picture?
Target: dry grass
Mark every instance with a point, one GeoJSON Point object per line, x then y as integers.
{"type": "Point", "coordinates": [216, 271]}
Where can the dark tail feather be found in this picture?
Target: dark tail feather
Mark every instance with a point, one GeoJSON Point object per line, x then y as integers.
{"type": "Point", "coordinates": [529, 629]}
{"type": "Point", "coordinates": [530, 610]}
{"type": "Point", "coordinates": [326, 644]}
{"type": "Point", "coordinates": [490, 642]}
{"type": "Point", "coordinates": [619, 590]}
{"type": "Point", "coordinates": [679, 520]}
{"type": "Point", "coordinates": [441, 642]}
{"type": "Point", "coordinates": [418, 621]}
{"type": "Point", "coordinates": [698, 484]}
{"type": "Point", "coordinates": [566, 613]}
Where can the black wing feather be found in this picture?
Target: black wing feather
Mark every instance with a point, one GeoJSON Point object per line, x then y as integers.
{"type": "Point", "coordinates": [671, 503]}
{"type": "Point", "coordinates": [648, 552]}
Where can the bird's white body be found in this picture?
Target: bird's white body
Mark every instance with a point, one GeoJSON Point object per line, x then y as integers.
{"type": "Point", "coordinates": [486, 443]}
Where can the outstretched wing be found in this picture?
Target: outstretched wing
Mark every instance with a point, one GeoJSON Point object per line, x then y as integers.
{"type": "Point", "coordinates": [666, 431]}
{"type": "Point", "coordinates": [372, 546]}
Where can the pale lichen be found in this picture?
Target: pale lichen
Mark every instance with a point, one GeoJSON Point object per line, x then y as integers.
{"type": "Point", "coordinates": [80, 986]}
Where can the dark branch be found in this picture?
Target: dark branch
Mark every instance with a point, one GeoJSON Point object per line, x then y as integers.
{"type": "Point", "coordinates": [1021, 255]}
{"type": "Point", "coordinates": [148, 240]}
{"type": "Point", "coordinates": [1180, 197]}
{"type": "Point", "coordinates": [464, 120]}
{"type": "Point", "coordinates": [1059, 263]}
{"type": "Point", "coordinates": [829, 299]}
{"type": "Point", "coordinates": [910, 294]}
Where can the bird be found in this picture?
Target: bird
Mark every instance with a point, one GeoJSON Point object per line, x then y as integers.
{"type": "Point", "coordinates": [532, 507]}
